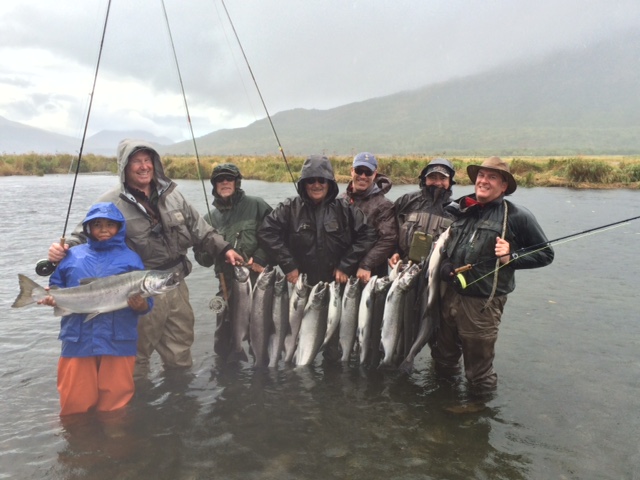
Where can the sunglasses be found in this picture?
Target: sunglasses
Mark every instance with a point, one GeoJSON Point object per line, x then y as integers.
{"type": "Point", "coordinates": [363, 171]}
{"type": "Point", "coordinates": [225, 178]}
{"type": "Point", "coordinates": [312, 180]}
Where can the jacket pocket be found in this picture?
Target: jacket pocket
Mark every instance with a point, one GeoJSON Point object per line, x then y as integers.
{"type": "Point", "coordinates": [178, 231]}
{"type": "Point", "coordinates": [481, 243]}
{"type": "Point", "coordinates": [338, 237]}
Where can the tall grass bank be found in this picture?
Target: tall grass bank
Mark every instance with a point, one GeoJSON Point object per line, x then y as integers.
{"type": "Point", "coordinates": [573, 172]}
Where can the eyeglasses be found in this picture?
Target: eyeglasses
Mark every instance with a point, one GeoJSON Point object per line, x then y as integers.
{"type": "Point", "coordinates": [312, 180]}
{"type": "Point", "coordinates": [225, 178]}
{"type": "Point", "coordinates": [363, 171]}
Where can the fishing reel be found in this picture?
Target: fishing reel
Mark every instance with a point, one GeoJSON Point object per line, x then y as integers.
{"type": "Point", "coordinates": [459, 281]}
{"type": "Point", "coordinates": [217, 304]}
{"type": "Point", "coordinates": [44, 267]}
{"type": "Point", "coordinates": [455, 275]}
{"type": "Point", "coordinates": [458, 278]}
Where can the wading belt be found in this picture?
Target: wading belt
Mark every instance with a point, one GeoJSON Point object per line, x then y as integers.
{"type": "Point", "coordinates": [171, 264]}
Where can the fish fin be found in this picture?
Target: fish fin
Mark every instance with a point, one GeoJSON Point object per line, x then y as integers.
{"type": "Point", "coordinates": [61, 312]}
{"type": "Point", "coordinates": [91, 316]}
{"type": "Point", "coordinates": [88, 280]}
{"type": "Point", "coordinates": [388, 365]}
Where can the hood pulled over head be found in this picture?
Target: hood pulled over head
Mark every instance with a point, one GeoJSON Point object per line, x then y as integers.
{"type": "Point", "coordinates": [109, 211]}
{"type": "Point", "coordinates": [317, 166]}
{"type": "Point", "coordinates": [438, 165]}
{"type": "Point", "coordinates": [127, 147]}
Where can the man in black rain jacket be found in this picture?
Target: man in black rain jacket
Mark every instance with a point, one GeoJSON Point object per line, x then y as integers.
{"type": "Point", "coordinates": [315, 232]}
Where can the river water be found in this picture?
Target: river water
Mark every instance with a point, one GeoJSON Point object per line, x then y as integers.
{"type": "Point", "coordinates": [567, 406]}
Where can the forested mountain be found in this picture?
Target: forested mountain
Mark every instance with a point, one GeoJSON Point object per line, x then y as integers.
{"type": "Point", "coordinates": [582, 101]}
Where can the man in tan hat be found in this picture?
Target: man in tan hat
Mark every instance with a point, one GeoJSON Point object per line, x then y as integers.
{"type": "Point", "coordinates": [494, 237]}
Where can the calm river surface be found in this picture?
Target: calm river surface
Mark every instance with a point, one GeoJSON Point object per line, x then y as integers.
{"type": "Point", "coordinates": [567, 406]}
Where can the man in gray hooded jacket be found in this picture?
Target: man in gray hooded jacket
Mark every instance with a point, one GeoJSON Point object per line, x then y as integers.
{"type": "Point", "coordinates": [161, 226]}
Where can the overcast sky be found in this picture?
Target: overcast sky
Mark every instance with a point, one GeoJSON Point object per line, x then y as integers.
{"type": "Point", "coordinates": [303, 53]}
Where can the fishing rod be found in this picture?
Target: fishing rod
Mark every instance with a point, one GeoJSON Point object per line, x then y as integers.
{"type": "Point", "coordinates": [535, 248]}
{"type": "Point", "coordinates": [264, 105]}
{"type": "Point", "coordinates": [45, 267]}
{"type": "Point", "coordinates": [186, 107]}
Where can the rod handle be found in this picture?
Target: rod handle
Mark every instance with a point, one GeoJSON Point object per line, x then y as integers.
{"type": "Point", "coordinates": [223, 286]}
{"type": "Point", "coordinates": [463, 268]}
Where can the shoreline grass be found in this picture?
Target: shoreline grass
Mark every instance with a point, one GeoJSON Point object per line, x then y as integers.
{"type": "Point", "coordinates": [595, 172]}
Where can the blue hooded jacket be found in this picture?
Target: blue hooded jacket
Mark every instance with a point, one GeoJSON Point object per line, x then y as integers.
{"type": "Point", "coordinates": [111, 333]}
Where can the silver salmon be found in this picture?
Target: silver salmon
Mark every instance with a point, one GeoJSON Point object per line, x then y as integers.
{"type": "Point", "coordinates": [297, 302]}
{"type": "Point", "coordinates": [430, 319]}
{"type": "Point", "coordinates": [335, 309]}
{"type": "Point", "coordinates": [280, 319]}
{"type": "Point", "coordinates": [314, 324]}
{"type": "Point", "coordinates": [349, 317]}
{"type": "Point", "coordinates": [97, 295]}
{"type": "Point", "coordinates": [239, 312]}
{"type": "Point", "coordinates": [394, 312]}
{"type": "Point", "coordinates": [260, 322]}
{"type": "Point", "coordinates": [365, 317]}
{"type": "Point", "coordinates": [381, 289]}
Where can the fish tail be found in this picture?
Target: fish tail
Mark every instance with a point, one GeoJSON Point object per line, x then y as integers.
{"type": "Point", "coordinates": [406, 366]}
{"type": "Point", "coordinates": [237, 356]}
{"type": "Point", "coordinates": [289, 348]}
{"type": "Point", "coordinates": [27, 289]}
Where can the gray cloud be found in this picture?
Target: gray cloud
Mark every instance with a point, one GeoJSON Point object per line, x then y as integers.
{"type": "Point", "coordinates": [311, 54]}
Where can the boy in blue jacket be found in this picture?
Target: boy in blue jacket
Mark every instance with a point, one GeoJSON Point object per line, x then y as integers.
{"type": "Point", "coordinates": [95, 370]}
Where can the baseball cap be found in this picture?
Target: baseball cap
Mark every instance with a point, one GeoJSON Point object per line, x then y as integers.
{"type": "Point", "coordinates": [438, 169]}
{"type": "Point", "coordinates": [365, 159]}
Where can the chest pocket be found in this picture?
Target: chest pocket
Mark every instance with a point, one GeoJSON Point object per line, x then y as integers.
{"type": "Point", "coordinates": [337, 238]}
{"type": "Point", "coordinates": [423, 222]}
{"type": "Point", "coordinates": [247, 238]}
{"type": "Point", "coordinates": [177, 231]}
{"type": "Point", "coordinates": [303, 237]}
{"type": "Point", "coordinates": [474, 243]}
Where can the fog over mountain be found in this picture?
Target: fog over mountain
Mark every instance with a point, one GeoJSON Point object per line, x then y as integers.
{"type": "Point", "coordinates": [581, 101]}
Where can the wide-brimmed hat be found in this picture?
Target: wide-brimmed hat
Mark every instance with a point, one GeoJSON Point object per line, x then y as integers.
{"type": "Point", "coordinates": [499, 165]}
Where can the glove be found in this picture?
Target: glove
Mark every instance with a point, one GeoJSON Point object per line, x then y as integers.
{"type": "Point", "coordinates": [447, 272]}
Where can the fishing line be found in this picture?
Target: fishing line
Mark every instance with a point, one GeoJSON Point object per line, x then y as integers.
{"type": "Point", "coordinates": [186, 107]}
{"type": "Point", "coordinates": [523, 252]}
{"type": "Point", "coordinates": [264, 105]}
{"type": "Point", "coordinates": [235, 63]}
{"type": "Point", "coordinates": [45, 267]}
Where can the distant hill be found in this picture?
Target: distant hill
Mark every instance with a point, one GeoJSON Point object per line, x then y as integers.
{"type": "Point", "coordinates": [106, 141]}
{"type": "Point", "coordinates": [19, 138]}
{"type": "Point", "coordinates": [583, 101]}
